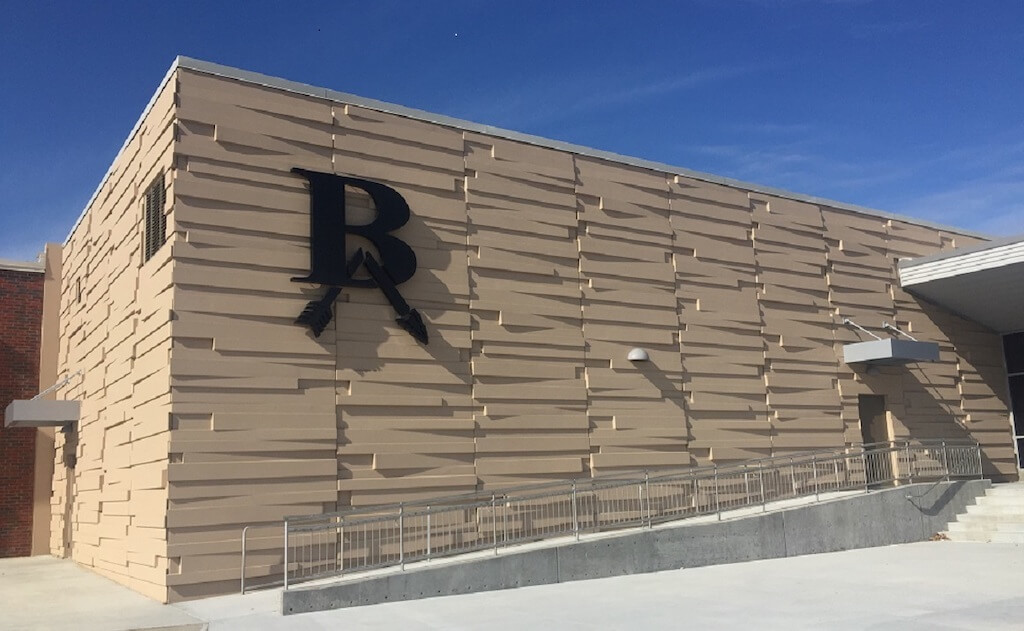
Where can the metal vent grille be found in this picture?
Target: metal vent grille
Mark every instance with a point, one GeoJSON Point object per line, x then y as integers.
{"type": "Point", "coordinates": [156, 221]}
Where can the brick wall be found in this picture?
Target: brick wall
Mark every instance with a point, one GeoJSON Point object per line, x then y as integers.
{"type": "Point", "coordinates": [21, 305]}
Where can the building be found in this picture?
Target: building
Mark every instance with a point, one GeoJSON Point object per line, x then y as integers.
{"type": "Point", "coordinates": [24, 487]}
{"type": "Point", "coordinates": [538, 311]}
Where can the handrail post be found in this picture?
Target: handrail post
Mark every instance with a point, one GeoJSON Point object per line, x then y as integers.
{"type": "Point", "coordinates": [341, 545]}
{"type": "Point", "coordinates": [792, 474]}
{"type": "Point", "coordinates": [575, 518]}
{"type": "Point", "coordinates": [494, 523]}
{"type": "Point", "coordinates": [981, 470]}
{"type": "Point", "coordinates": [945, 461]}
{"type": "Point", "coordinates": [428, 533]}
{"type": "Point", "coordinates": [910, 465]}
{"type": "Point", "coordinates": [835, 469]}
{"type": "Point", "coordinates": [647, 492]}
{"type": "Point", "coordinates": [760, 477]}
{"type": "Point", "coordinates": [718, 492]}
{"type": "Point", "coordinates": [864, 461]}
{"type": "Point", "coordinates": [244, 530]}
{"type": "Point", "coordinates": [746, 484]}
{"type": "Point", "coordinates": [814, 473]}
{"type": "Point", "coordinates": [286, 555]}
{"type": "Point", "coordinates": [504, 520]}
{"type": "Point", "coordinates": [401, 534]}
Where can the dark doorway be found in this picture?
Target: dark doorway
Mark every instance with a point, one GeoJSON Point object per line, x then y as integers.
{"type": "Point", "coordinates": [880, 463]}
{"type": "Point", "coordinates": [1013, 346]}
{"type": "Point", "coordinates": [874, 426]}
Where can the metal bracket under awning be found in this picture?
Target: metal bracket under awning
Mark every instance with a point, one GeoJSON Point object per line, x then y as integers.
{"type": "Point", "coordinates": [890, 351]}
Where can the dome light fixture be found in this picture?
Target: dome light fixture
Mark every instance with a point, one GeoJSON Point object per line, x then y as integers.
{"type": "Point", "coordinates": [638, 355]}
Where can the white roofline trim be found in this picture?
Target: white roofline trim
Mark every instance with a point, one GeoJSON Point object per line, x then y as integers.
{"type": "Point", "coordinates": [408, 112]}
{"type": "Point", "coordinates": [958, 252]}
{"type": "Point", "coordinates": [959, 262]}
{"type": "Point", "coordinates": [22, 266]}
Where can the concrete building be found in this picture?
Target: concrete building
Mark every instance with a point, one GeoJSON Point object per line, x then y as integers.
{"type": "Point", "coordinates": [564, 312]}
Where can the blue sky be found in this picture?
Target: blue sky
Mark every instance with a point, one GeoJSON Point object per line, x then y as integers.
{"type": "Point", "coordinates": [914, 107]}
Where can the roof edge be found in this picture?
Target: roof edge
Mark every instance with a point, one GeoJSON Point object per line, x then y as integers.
{"type": "Point", "coordinates": [248, 76]}
{"type": "Point", "coordinates": [131, 135]}
{"type": "Point", "coordinates": [22, 266]}
{"type": "Point", "coordinates": [970, 249]}
{"type": "Point", "coordinates": [277, 83]}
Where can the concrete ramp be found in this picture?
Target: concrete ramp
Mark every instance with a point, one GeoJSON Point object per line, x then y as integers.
{"type": "Point", "coordinates": [903, 514]}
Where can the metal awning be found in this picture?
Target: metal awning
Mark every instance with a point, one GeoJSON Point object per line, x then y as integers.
{"type": "Point", "coordinates": [984, 282]}
{"type": "Point", "coordinates": [890, 351]}
{"type": "Point", "coordinates": [41, 413]}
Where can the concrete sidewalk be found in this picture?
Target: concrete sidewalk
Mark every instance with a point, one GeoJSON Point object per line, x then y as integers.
{"type": "Point", "coordinates": [933, 585]}
{"type": "Point", "coordinates": [47, 593]}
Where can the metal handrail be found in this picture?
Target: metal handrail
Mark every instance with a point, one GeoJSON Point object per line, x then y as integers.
{"type": "Point", "coordinates": [363, 538]}
{"type": "Point", "coordinates": [618, 476]}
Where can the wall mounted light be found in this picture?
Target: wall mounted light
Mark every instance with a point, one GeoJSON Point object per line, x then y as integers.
{"type": "Point", "coordinates": [638, 355]}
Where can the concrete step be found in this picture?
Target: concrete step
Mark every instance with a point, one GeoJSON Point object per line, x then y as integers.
{"type": "Point", "coordinates": [995, 509]}
{"type": "Point", "coordinates": [990, 518]}
{"type": "Point", "coordinates": [1002, 500]}
{"type": "Point", "coordinates": [997, 516]}
{"type": "Point", "coordinates": [993, 537]}
{"type": "Point", "coordinates": [954, 535]}
{"type": "Point", "coordinates": [1011, 489]}
{"type": "Point", "coordinates": [985, 526]}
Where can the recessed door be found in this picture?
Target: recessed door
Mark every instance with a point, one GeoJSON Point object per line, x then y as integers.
{"type": "Point", "coordinates": [1013, 347]}
{"type": "Point", "coordinates": [874, 426]}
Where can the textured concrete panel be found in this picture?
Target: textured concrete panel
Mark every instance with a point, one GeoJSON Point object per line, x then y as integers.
{"type": "Point", "coordinates": [535, 567]}
{"type": "Point", "coordinates": [733, 541]}
{"type": "Point", "coordinates": [612, 556]}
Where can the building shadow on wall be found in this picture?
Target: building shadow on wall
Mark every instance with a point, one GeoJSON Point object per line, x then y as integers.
{"type": "Point", "coordinates": [983, 351]}
{"type": "Point", "coordinates": [656, 375]}
{"type": "Point", "coordinates": [658, 378]}
{"type": "Point", "coordinates": [427, 292]}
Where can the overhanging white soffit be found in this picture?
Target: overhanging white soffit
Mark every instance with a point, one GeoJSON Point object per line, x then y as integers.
{"type": "Point", "coordinates": [984, 283]}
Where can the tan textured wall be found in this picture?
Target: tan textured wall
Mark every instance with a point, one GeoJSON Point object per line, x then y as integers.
{"type": "Point", "coordinates": [254, 426]}
{"type": "Point", "coordinates": [538, 271]}
{"type": "Point", "coordinates": [108, 511]}
{"type": "Point", "coordinates": [49, 352]}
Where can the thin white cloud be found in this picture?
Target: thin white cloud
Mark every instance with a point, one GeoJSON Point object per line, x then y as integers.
{"type": "Point", "coordinates": [992, 204]}
{"type": "Point", "coordinates": [657, 88]}
{"type": "Point", "coordinates": [552, 98]}
{"type": "Point", "coordinates": [986, 191]}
